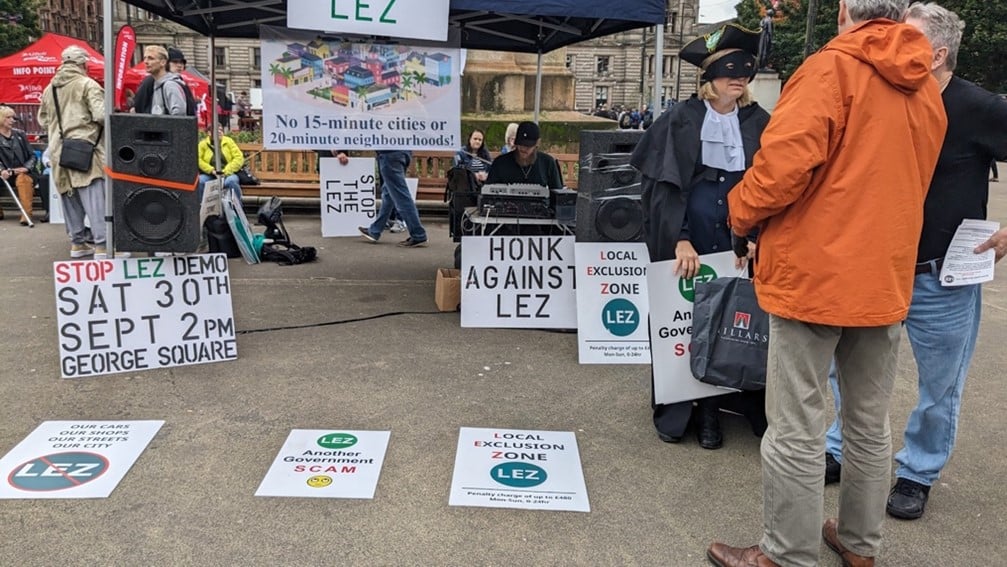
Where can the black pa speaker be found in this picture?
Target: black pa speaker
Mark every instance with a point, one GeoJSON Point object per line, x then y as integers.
{"type": "Point", "coordinates": [155, 206]}
{"type": "Point", "coordinates": [609, 208]}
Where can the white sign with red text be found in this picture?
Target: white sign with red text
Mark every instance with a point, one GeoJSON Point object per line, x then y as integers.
{"type": "Point", "coordinates": [74, 459]}
{"type": "Point", "coordinates": [131, 314]}
{"type": "Point", "coordinates": [612, 303]}
{"type": "Point", "coordinates": [671, 299]}
{"type": "Point", "coordinates": [515, 468]}
{"type": "Point", "coordinates": [327, 463]}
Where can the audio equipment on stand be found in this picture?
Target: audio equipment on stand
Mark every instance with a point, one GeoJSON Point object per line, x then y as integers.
{"type": "Point", "coordinates": [609, 206]}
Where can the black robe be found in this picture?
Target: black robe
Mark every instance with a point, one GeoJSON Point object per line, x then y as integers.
{"type": "Point", "coordinates": [668, 158]}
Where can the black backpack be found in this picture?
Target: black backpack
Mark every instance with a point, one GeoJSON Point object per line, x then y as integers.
{"type": "Point", "coordinates": [277, 246]}
{"type": "Point", "coordinates": [190, 101]}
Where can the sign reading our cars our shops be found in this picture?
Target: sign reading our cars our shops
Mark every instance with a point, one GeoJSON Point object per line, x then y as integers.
{"type": "Point", "coordinates": [327, 463]}
{"type": "Point", "coordinates": [74, 459]}
{"type": "Point", "coordinates": [512, 468]}
{"type": "Point", "coordinates": [671, 298]}
{"type": "Point", "coordinates": [612, 303]}
{"type": "Point", "coordinates": [132, 314]}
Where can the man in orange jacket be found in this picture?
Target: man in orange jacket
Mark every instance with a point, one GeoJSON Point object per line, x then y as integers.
{"type": "Point", "coordinates": [838, 189]}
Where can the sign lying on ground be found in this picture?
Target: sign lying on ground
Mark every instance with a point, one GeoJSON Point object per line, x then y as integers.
{"type": "Point", "coordinates": [325, 93]}
{"type": "Point", "coordinates": [671, 299]}
{"type": "Point", "coordinates": [512, 468]}
{"type": "Point", "coordinates": [131, 314]}
{"type": "Point", "coordinates": [612, 305]}
{"type": "Point", "coordinates": [389, 18]}
{"type": "Point", "coordinates": [518, 282]}
{"type": "Point", "coordinates": [327, 463]}
{"type": "Point", "coordinates": [74, 459]}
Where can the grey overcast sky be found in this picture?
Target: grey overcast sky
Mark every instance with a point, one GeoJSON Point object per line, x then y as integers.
{"type": "Point", "coordinates": [716, 10]}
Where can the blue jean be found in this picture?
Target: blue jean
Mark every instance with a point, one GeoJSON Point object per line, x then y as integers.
{"type": "Point", "coordinates": [942, 325]}
{"type": "Point", "coordinates": [230, 181]}
{"type": "Point", "coordinates": [395, 195]}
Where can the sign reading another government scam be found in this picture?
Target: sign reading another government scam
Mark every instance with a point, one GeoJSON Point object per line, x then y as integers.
{"type": "Point", "coordinates": [671, 299]}
{"type": "Point", "coordinates": [348, 195]}
{"type": "Point", "coordinates": [327, 463]}
{"type": "Point", "coordinates": [130, 314]}
{"type": "Point", "coordinates": [74, 459]}
{"type": "Point", "coordinates": [512, 468]}
{"type": "Point", "coordinates": [518, 282]}
{"type": "Point", "coordinates": [612, 304]}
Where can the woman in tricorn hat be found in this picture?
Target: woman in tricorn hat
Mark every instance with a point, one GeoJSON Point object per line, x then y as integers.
{"type": "Point", "coordinates": [690, 158]}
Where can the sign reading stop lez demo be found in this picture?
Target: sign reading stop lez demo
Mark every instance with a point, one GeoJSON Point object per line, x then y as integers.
{"type": "Point", "coordinates": [131, 314]}
{"type": "Point", "coordinates": [510, 468]}
{"type": "Point", "coordinates": [74, 459]}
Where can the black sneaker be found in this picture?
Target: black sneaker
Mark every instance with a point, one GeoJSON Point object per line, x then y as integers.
{"type": "Point", "coordinates": [367, 234]}
{"type": "Point", "coordinates": [907, 499]}
{"type": "Point", "coordinates": [833, 469]}
{"type": "Point", "coordinates": [410, 243]}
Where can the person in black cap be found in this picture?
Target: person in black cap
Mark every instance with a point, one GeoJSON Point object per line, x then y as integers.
{"type": "Point", "coordinates": [176, 60]}
{"type": "Point", "coordinates": [690, 158]}
{"type": "Point", "coordinates": [526, 164]}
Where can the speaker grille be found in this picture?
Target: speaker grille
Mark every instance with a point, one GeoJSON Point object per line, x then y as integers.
{"type": "Point", "coordinates": [154, 215]}
{"type": "Point", "coordinates": [619, 220]}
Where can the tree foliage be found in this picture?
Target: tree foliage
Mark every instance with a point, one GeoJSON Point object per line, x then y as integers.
{"type": "Point", "coordinates": [980, 58]}
{"type": "Point", "coordinates": [18, 25]}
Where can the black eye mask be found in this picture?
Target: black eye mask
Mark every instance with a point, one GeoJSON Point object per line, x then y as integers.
{"type": "Point", "coordinates": [735, 65]}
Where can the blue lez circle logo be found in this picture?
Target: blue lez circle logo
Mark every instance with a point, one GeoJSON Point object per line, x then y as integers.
{"type": "Point", "coordinates": [620, 317]}
{"type": "Point", "coordinates": [58, 471]}
{"type": "Point", "coordinates": [518, 474]}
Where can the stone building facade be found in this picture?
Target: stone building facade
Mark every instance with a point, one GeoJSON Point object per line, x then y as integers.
{"type": "Point", "coordinates": [75, 18]}
{"type": "Point", "coordinates": [619, 69]}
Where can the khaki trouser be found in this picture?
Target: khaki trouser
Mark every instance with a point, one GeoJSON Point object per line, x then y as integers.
{"type": "Point", "coordinates": [793, 448]}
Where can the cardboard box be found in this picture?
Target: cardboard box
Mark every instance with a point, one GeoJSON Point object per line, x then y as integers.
{"type": "Point", "coordinates": [448, 290]}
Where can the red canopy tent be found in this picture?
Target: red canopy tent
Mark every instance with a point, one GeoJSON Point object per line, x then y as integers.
{"type": "Point", "coordinates": [25, 74]}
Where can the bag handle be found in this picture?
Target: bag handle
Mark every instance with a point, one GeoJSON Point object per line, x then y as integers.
{"type": "Point", "coordinates": [59, 116]}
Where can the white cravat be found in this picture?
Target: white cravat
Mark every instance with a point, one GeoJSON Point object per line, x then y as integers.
{"type": "Point", "coordinates": [721, 140]}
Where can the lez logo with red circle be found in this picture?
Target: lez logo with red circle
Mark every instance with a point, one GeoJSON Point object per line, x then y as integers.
{"type": "Point", "coordinates": [58, 471]}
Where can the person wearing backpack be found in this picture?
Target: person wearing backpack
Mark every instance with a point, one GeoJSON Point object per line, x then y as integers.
{"type": "Point", "coordinates": [169, 95]}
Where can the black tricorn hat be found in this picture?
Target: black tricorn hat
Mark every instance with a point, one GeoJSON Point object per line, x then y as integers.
{"type": "Point", "coordinates": [728, 36]}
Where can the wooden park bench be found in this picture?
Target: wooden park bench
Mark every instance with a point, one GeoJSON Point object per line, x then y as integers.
{"type": "Point", "coordinates": [294, 173]}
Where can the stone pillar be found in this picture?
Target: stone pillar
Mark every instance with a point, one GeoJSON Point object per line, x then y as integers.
{"type": "Point", "coordinates": [766, 87]}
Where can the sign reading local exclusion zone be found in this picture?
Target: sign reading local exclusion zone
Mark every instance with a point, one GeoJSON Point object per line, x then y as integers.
{"type": "Point", "coordinates": [327, 463]}
{"type": "Point", "coordinates": [74, 459]}
{"type": "Point", "coordinates": [512, 468]}
{"type": "Point", "coordinates": [612, 303]}
{"type": "Point", "coordinates": [131, 314]}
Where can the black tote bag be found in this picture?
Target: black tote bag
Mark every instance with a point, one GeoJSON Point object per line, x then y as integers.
{"type": "Point", "coordinates": [730, 335]}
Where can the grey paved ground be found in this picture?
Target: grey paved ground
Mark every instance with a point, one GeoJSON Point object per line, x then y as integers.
{"type": "Point", "coordinates": [189, 498]}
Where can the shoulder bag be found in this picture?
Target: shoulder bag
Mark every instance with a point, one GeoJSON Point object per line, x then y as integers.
{"type": "Point", "coordinates": [77, 152]}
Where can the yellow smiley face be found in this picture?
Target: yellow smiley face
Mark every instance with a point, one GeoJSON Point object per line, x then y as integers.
{"type": "Point", "coordinates": [320, 481]}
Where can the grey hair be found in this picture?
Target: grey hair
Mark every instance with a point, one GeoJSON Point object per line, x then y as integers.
{"type": "Point", "coordinates": [76, 55]}
{"type": "Point", "coordinates": [863, 10]}
{"type": "Point", "coordinates": [942, 27]}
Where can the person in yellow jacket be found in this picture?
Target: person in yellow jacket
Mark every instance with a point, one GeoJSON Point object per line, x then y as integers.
{"type": "Point", "coordinates": [837, 189]}
{"type": "Point", "coordinates": [231, 160]}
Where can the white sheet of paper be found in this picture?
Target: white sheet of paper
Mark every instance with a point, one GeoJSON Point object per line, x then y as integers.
{"type": "Point", "coordinates": [962, 266]}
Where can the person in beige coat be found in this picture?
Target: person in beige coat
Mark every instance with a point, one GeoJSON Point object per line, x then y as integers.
{"type": "Point", "coordinates": [82, 113]}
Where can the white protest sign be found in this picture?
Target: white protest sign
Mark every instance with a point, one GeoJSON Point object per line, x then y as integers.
{"type": "Point", "coordinates": [327, 463]}
{"type": "Point", "coordinates": [511, 468]}
{"type": "Point", "coordinates": [323, 93]}
{"type": "Point", "coordinates": [671, 326]}
{"type": "Point", "coordinates": [390, 18]}
{"type": "Point", "coordinates": [55, 207]}
{"type": "Point", "coordinates": [130, 314]}
{"type": "Point", "coordinates": [518, 282]}
{"type": "Point", "coordinates": [74, 459]}
{"type": "Point", "coordinates": [348, 195]}
{"type": "Point", "coordinates": [414, 186]}
{"type": "Point", "coordinates": [612, 303]}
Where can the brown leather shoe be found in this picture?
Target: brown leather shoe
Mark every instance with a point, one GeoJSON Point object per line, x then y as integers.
{"type": "Point", "coordinates": [830, 533]}
{"type": "Point", "coordinates": [725, 556]}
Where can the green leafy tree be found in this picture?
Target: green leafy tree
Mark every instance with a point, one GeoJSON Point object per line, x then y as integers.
{"type": "Point", "coordinates": [18, 25]}
{"type": "Point", "coordinates": [980, 58]}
